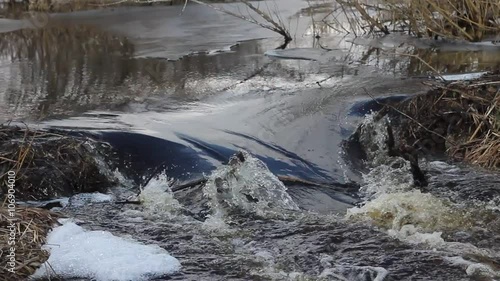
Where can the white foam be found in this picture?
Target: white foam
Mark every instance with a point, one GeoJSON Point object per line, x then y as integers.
{"type": "Point", "coordinates": [347, 272]}
{"type": "Point", "coordinates": [101, 256]}
{"type": "Point", "coordinates": [406, 213]}
{"type": "Point", "coordinates": [410, 234]}
{"type": "Point", "coordinates": [215, 224]}
{"type": "Point", "coordinates": [394, 210]}
{"type": "Point", "coordinates": [442, 166]}
{"type": "Point", "coordinates": [493, 204]}
{"type": "Point", "coordinates": [473, 268]}
{"type": "Point", "coordinates": [387, 178]}
{"type": "Point", "coordinates": [158, 198]}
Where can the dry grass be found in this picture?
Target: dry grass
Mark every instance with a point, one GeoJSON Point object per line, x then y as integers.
{"type": "Point", "coordinates": [32, 226]}
{"type": "Point", "coordinates": [472, 20]}
{"type": "Point", "coordinates": [467, 116]}
{"type": "Point", "coordinates": [48, 164]}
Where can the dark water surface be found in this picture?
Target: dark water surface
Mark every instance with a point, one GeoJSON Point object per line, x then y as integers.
{"type": "Point", "coordinates": [182, 93]}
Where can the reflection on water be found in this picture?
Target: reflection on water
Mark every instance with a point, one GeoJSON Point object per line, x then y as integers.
{"type": "Point", "coordinates": [453, 61]}
{"type": "Point", "coordinates": [46, 71]}
{"type": "Point", "coordinates": [65, 70]}
{"type": "Point", "coordinates": [420, 62]}
{"type": "Point", "coordinates": [291, 114]}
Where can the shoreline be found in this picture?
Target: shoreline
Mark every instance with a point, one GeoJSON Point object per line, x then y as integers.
{"type": "Point", "coordinates": [459, 119]}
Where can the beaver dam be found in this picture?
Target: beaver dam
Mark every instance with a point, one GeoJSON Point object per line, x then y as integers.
{"type": "Point", "coordinates": [183, 143]}
{"type": "Point", "coordinates": [459, 119]}
{"type": "Point", "coordinates": [48, 164]}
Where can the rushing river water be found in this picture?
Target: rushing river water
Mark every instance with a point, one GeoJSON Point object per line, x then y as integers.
{"type": "Point", "coordinates": [178, 94]}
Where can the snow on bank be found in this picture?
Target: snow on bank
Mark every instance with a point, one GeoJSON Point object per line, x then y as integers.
{"type": "Point", "coordinates": [101, 256]}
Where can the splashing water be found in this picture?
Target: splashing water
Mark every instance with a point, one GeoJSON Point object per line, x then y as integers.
{"type": "Point", "coordinates": [475, 269]}
{"type": "Point", "coordinates": [215, 225]}
{"type": "Point", "coordinates": [373, 138]}
{"type": "Point", "coordinates": [410, 215]}
{"type": "Point", "coordinates": [395, 210]}
{"type": "Point", "coordinates": [247, 185]}
{"type": "Point", "coordinates": [377, 183]}
{"type": "Point", "coordinates": [158, 198]}
{"type": "Point", "coordinates": [346, 273]}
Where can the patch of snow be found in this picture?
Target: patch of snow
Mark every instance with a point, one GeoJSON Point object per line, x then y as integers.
{"type": "Point", "coordinates": [101, 256]}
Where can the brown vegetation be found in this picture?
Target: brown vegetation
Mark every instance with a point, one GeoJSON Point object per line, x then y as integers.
{"type": "Point", "coordinates": [460, 118]}
{"type": "Point", "coordinates": [465, 19]}
{"type": "Point", "coordinates": [31, 228]}
{"type": "Point", "coordinates": [48, 164]}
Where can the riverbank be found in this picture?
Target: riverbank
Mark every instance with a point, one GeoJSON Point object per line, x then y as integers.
{"type": "Point", "coordinates": [182, 120]}
{"type": "Point", "coordinates": [49, 164]}
{"type": "Point", "coordinates": [38, 165]}
{"type": "Point", "coordinates": [460, 119]}
{"type": "Point", "coordinates": [28, 228]}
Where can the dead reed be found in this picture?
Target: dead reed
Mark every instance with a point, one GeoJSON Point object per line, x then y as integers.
{"type": "Point", "coordinates": [49, 164]}
{"type": "Point", "coordinates": [31, 228]}
{"type": "Point", "coordinates": [460, 118]}
{"type": "Point", "coordinates": [464, 19]}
